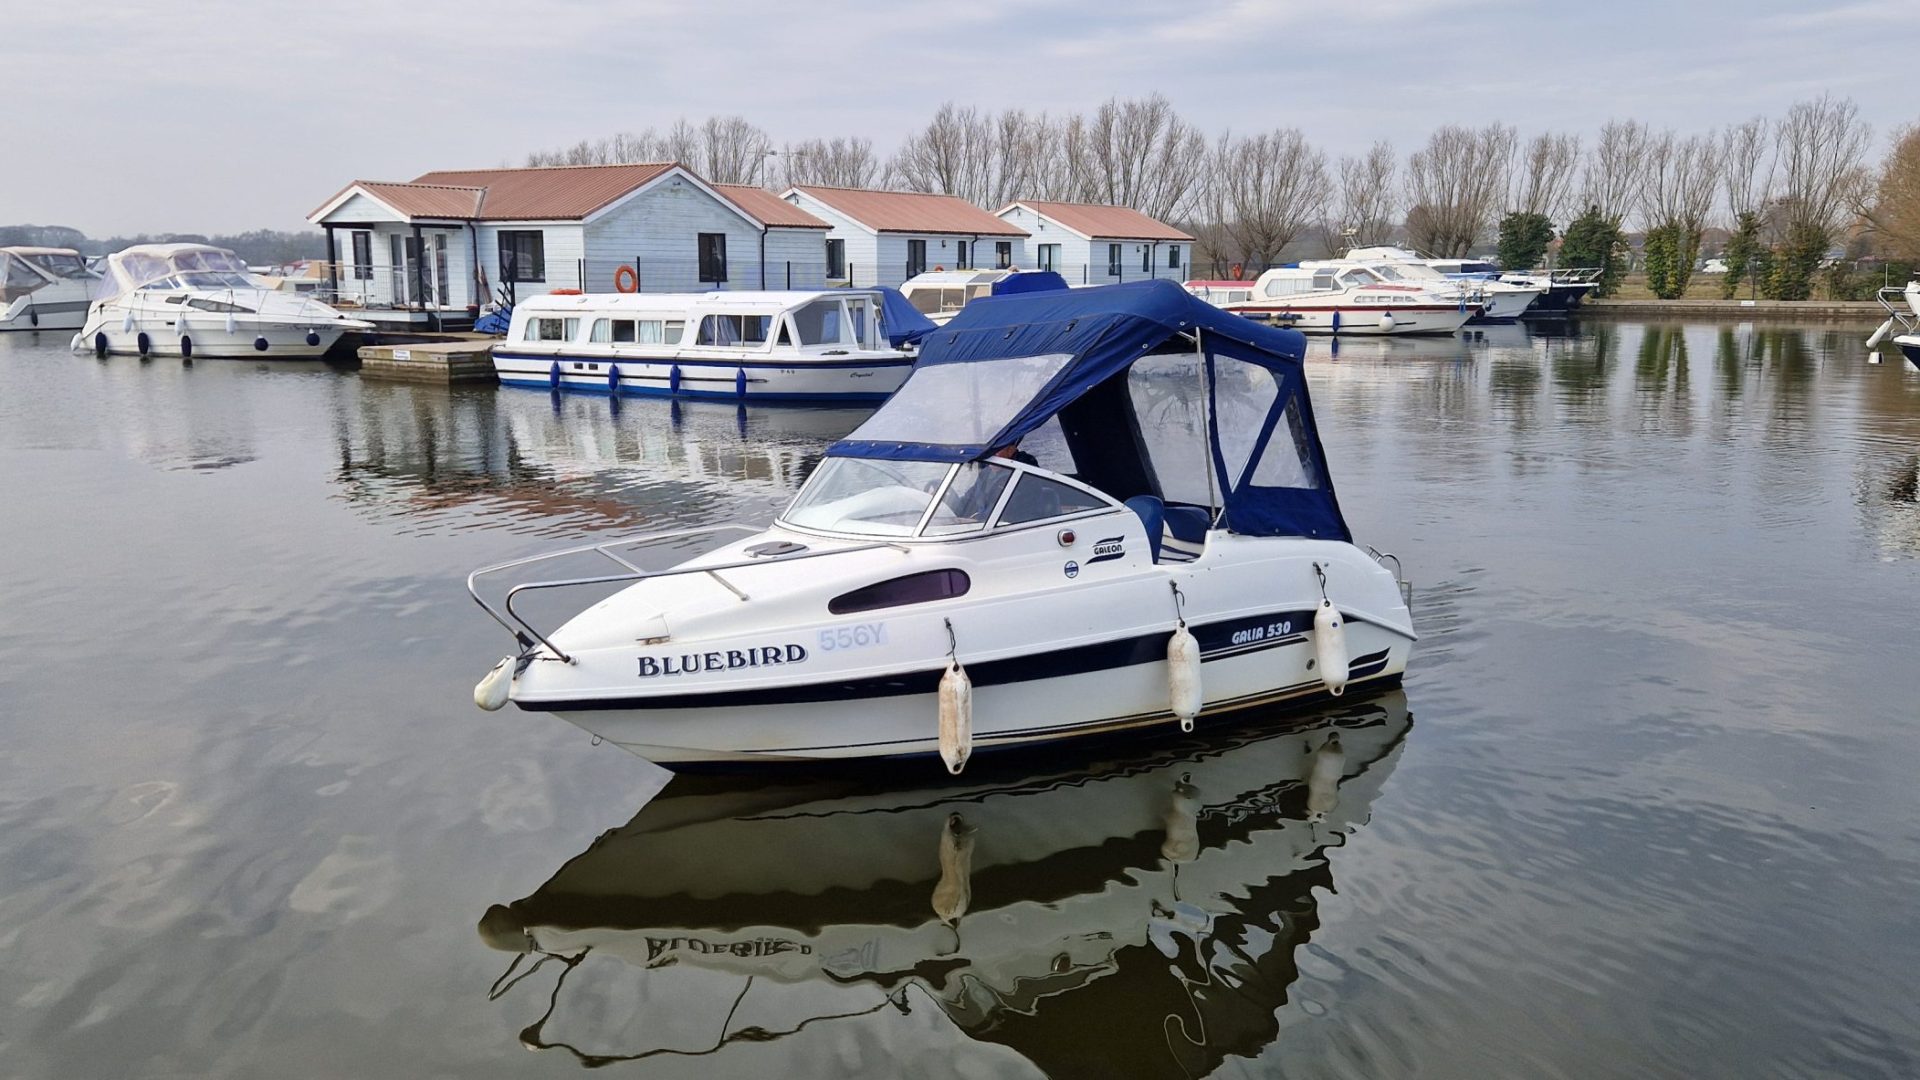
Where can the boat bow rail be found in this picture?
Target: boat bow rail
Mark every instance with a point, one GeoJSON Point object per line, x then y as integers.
{"type": "Point", "coordinates": [528, 636]}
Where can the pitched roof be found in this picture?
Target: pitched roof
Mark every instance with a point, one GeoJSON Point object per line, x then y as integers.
{"type": "Point", "coordinates": [910, 211]}
{"type": "Point", "coordinates": [1101, 222]}
{"type": "Point", "coordinates": [427, 200]}
{"type": "Point", "coordinates": [560, 192]}
{"type": "Point", "coordinates": [771, 210]}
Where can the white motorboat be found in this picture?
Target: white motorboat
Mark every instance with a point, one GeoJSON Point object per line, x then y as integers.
{"type": "Point", "coordinates": [1500, 300]}
{"type": "Point", "coordinates": [194, 300]}
{"type": "Point", "coordinates": [1903, 320]}
{"type": "Point", "coordinates": [940, 294]}
{"type": "Point", "coordinates": [826, 345]}
{"type": "Point", "coordinates": [44, 288]}
{"type": "Point", "coordinates": [1352, 300]}
{"type": "Point", "coordinates": [1018, 903]}
{"type": "Point", "coordinates": [1184, 556]}
{"type": "Point", "coordinates": [1222, 291]}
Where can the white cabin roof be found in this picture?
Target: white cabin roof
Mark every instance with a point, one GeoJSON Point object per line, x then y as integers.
{"type": "Point", "coordinates": [950, 279]}
{"type": "Point", "coordinates": [32, 251]}
{"type": "Point", "coordinates": [745, 301]}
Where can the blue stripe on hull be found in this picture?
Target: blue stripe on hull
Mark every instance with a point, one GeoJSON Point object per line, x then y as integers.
{"type": "Point", "coordinates": [626, 390]}
{"type": "Point", "coordinates": [1912, 353]}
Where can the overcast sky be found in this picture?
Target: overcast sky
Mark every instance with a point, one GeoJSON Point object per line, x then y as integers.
{"type": "Point", "coordinates": [216, 115]}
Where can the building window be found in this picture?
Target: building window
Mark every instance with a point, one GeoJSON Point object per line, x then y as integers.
{"type": "Point", "coordinates": [836, 259]}
{"type": "Point", "coordinates": [1049, 256]}
{"type": "Point", "coordinates": [1173, 257]}
{"type": "Point", "coordinates": [523, 255]}
{"type": "Point", "coordinates": [1003, 255]}
{"type": "Point", "coordinates": [916, 257]}
{"type": "Point", "coordinates": [1146, 258]}
{"type": "Point", "coordinates": [363, 256]}
{"type": "Point", "coordinates": [963, 255]}
{"type": "Point", "coordinates": [713, 256]}
{"type": "Point", "coordinates": [1113, 260]}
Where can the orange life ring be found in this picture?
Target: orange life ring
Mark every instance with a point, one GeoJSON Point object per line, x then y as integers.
{"type": "Point", "coordinates": [1238, 270]}
{"type": "Point", "coordinates": [626, 279]}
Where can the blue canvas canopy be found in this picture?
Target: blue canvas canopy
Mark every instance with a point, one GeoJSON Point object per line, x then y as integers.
{"type": "Point", "coordinates": [1027, 281]}
{"type": "Point", "coordinates": [903, 322]}
{"type": "Point", "coordinates": [1004, 367]}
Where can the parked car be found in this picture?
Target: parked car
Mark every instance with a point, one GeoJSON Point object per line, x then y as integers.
{"type": "Point", "coordinates": [1714, 266]}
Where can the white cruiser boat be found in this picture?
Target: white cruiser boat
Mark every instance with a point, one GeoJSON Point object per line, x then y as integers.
{"type": "Point", "coordinates": [1016, 902]}
{"type": "Point", "coordinates": [1903, 320]}
{"type": "Point", "coordinates": [1500, 300]}
{"type": "Point", "coordinates": [940, 294]}
{"type": "Point", "coordinates": [1352, 300]}
{"type": "Point", "coordinates": [828, 345]}
{"type": "Point", "coordinates": [193, 300]}
{"type": "Point", "coordinates": [44, 288]}
{"type": "Point", "coordinates": [1185, 556]}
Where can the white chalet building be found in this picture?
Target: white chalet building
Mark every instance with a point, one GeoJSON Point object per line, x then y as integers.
{"type": "Point", "coordinates": [451, 240]}
{"type": "Point", "coordinates": [886, 237]}
{"type": "Point", "coordinates": [1100, 245]}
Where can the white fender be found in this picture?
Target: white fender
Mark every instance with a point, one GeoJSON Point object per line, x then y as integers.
{"type": "Point", "coordinates": [1880, 335]}
{"type": "Point", "coordinates": [490, 693]}
{"type": "Point", "coordinates": [1183, 676]}
{"type": "Point", "coordinates": [1323, 778]}
{"type": "Point", "coordinates": [1386, 320]}
{"type": "Point", "coordinates": [953, 893]}
{"type": "Point", "coordinates": [956, 717]}
{"type": "Point", "coordinates": [233, 325]}
{"type": "Point", "coordinates": [1330, 647]}
{"type": "Point", "coordinates": [126, 324]}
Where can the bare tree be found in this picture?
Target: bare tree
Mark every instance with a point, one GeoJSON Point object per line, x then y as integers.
{"type": "Point", "coordinates": [1682, 178]}
{"type": "Point", "coordinates": [1615, 175]}
{"type": "Point", "coordinates": [724, 149]}
{"type": "Point", "coordinates": [1138, 154]}
{"type": "Point", "coordinates": [1894, 212]}
{"type": "Point", "coordinates": [1543, 178]}
{"type": "Point", "coordinates": [1268, 188]}
{"type": "Point", "coordinates": [732, 151]}
{"type": "Point", "coordinates": [835, 162]}
{"type": "Point", "coordinates": [1455, 184]}
{"type": "Point", "coordinates": [1747, 167]}
{"type": "Point", "coordinates": [1365, 213]}
{"type": "Point", "coordinates": [952, 155]}
{"type": "Point", "coordinates": [1820, 144]}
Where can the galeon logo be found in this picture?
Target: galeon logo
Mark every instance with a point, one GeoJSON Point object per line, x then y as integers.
{"type": "Point", "coordinates": [1110, 548]}
{"type": "Point", "coordinates": [726, 660]}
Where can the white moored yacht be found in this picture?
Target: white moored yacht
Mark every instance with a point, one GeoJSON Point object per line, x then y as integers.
{"type": "Point", "coordinates": [827, 345]}
{"type": "Point", "coordinates": [1903, 320]}
{"type": "Point", "coordinates": [195, 300]}
{"type": "Point", "coordinates": [926, 593]}
{"type": "Point", "coordinates": [1352, 300]}
{"type": "Point", "coordinates": [1499, 300]}
{"type": "Point", "coordinates": [44, 288]}
{"type": "Point", "coordinates": [940, 294]}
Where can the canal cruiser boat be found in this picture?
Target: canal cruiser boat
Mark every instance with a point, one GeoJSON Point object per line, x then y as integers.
{"type": "Point", "coordinates": [824, 345]}
{"type": "Point", "coordinates": [195, 300]}
{"type": "Point", "coordinates": [1221, 292]}
{"type": "Point", "coordinates": [929, 591]}
{"type": "Point", "coordinates": [43, 288]}
{"type": "Point", "coordinates": [1353, 300]}
{"type": "Point", "coordinates": [1500, 300]}
{"type": "Point", "coordinates": [1012, 901]}
{"type": "Point", "coordinates": [1903, 320]}
{"type": "Point", "coordinates": [940, 294]}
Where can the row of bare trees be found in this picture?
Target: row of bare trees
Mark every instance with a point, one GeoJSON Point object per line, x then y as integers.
{"type": "Point", "coordinates": [1251, 196]}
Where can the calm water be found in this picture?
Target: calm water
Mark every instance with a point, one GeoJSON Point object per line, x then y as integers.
{"type": "Point", "coordinates": [1645, 808]}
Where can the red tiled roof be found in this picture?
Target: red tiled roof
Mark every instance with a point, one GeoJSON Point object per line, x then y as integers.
{"type": "Point", "coordinates": [1102, 222]}
{"type": "Point", "coordinates": [426, 200]}
{"type": "Point", "coordinates": [562, 192]}
{"type": "Point", "coordinates": [769, 209]}
{"type": "Point", "coordinates": [911, 211]}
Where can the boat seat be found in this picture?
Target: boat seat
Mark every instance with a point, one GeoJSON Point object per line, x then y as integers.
{"type": "Point", "coordinates": [1174, 533]}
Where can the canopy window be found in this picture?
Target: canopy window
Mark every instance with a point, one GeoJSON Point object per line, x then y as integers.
{"type": "Point", "coordinates": [1153, 391]}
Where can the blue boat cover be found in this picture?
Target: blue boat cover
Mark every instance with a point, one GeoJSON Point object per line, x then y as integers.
{"type": "Point", "coordinates": [1004, 367]}
{"type": "Point", "coordinates": [494, 322]}
{"type": "Point", "coordinates": [903, 322]}
{"type": "Point", "coordinates": [1029, 281]}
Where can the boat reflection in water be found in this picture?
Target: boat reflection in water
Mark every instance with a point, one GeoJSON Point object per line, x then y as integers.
{"type": "Point", "coordinates": [1141, 915]}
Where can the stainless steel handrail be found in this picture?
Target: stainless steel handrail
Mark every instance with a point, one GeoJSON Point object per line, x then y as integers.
{"type": "Point", "coordinates": [1898, 307]}
{"type": "Point", "coordinates": [635, 574]}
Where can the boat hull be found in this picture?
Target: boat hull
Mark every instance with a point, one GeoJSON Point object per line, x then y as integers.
{"type": "Point", "coordinates": [65, 315]}
{"type": "Point", "coordinates": [851, 380]}
{"type": "Point", "coordinates": [1909, 348]}
{"type": "Point", "coordinates": [1113, 687]}
{"type": "Point", "coordinates": [1407, 319]}
{"type": "Point", "coordinates": [212, 341]}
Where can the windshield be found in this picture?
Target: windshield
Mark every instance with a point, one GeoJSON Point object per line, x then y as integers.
{"type": "Point", "coordinates": [66, 266]}
{"type": "Point", "coordinates": [870, 496]}
{"type": "Point", "coordinates": [961, 404]}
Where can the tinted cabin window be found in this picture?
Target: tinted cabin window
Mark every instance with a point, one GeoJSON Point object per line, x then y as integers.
{"type": "Point", "coordinates": [912, 589]}
{"type": "Point", "coordinates": [1037, 498]}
